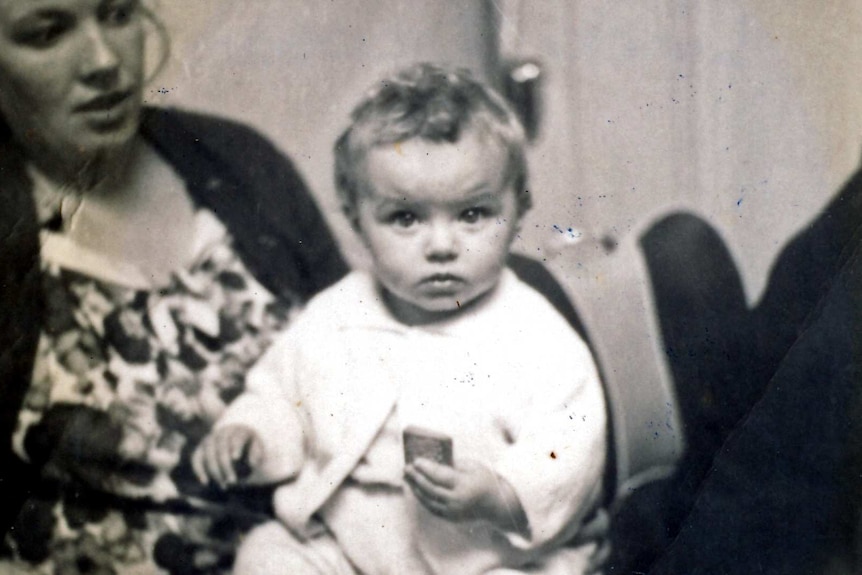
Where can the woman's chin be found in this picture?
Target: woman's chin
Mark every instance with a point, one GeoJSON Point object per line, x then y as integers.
{"type": "Point", "coordinates": [105, 142]}
{"type": "Point", "coordinates": [100, 132]}
{"type": "Point", "coordinates": [105, 135]}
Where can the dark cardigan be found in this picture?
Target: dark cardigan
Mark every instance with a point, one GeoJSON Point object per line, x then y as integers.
{"type": "Point", "coordinates": [227, 168]}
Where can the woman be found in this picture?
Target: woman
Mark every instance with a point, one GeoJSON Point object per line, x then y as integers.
{"type": "Point", "coordinates": [147, 257]}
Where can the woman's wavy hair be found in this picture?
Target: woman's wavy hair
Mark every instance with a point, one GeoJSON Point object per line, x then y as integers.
{"type": "Point", "coordinates": [148, 10]}
{"type": "Point", "coordinates": [433, 103]}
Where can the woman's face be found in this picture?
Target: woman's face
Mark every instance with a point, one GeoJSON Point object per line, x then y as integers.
{"type": "Point", "coordinates": [71, 73]}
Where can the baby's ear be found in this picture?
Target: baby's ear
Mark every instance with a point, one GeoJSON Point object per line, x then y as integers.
{"type": "Point", "coordinates": [521, 211]}
{"type": "Point", "coordinates": [519, 226]}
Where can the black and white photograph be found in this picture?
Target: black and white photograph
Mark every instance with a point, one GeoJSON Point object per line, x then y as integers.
{"type": "Point", "coordinates": [563, 287]}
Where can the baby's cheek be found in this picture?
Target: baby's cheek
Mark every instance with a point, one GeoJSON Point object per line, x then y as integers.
{"type": "Point", "coordinates": [394, 275]}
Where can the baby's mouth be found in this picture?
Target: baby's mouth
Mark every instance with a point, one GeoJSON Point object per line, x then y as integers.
{"type": "Point", "coordinates": [442, 279]}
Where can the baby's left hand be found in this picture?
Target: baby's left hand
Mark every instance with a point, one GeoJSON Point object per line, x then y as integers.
{"type": "Point", "coordinates": [468, 491]}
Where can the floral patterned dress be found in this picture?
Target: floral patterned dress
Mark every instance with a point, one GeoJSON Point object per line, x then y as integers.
{"type": "Point", "coordinates": [128, 379]}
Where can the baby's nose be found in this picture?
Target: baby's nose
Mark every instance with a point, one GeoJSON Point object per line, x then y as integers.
{"type": "Point", "coordinates": [442, 243]}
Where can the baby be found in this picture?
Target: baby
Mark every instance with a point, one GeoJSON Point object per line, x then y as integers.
{"type": "Point", "coordinates": [438, 336]}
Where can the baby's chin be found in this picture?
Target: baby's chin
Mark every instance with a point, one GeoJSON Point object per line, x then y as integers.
{"type": "Point", "coordinates": [429, 310]}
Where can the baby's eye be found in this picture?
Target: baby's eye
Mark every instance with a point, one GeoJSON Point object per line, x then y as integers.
{"type": "Point", "coordinates": [403, 219]}
{"type": "Point", "coordinates": [473, 215]}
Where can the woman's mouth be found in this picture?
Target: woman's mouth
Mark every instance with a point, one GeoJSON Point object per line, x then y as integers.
{"type": "Point", "coordinates": [104, 102]}
{"type": "Point", "coordinates": [108, 112]}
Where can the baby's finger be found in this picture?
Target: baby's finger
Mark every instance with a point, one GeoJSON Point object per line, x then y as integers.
{"type": "Point", "coordinates": [198, 465]}
{"type": "Point", "coordinates": [436, 507]}
{"type": "Point", "coordinates": [441, 475]}
{"type": "Point", "coordinates": [236, 443]}
{"type": "Point", "coordinates": [254, 455]}
{"type": "Point", "coordinates": [445, 507]}
{"type": "Point", "coordinates": [427, 488]}
{"type": "Point", "coordinates": [226, 460]}
{"type": "Point", "coordinates": [207, 453]}
{"type": "Point", "coordinates": [211, 461]}
{"type": "Point", "coordinates": [422, 493]}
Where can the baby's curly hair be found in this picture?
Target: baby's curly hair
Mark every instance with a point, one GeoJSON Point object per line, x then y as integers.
{"type": "Point", "coordinates": [434, 103]}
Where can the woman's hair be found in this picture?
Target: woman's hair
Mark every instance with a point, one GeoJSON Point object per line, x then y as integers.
{"type": "Point", "coordinates": [433, 103]}
{"type": "Point", "coordinates": [149, 12]}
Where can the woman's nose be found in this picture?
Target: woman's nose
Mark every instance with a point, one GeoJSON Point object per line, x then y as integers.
{"type": "Point", "coordinates": [100, 63]}
{"type": "Point", "coordinates": [441, 243]}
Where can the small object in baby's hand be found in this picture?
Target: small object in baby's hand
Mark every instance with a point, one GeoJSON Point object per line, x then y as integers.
{"type": "Point", "coordinates": [427, 444]}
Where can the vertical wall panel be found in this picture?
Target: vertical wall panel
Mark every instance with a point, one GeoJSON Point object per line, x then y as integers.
{"type": "Point", "coordinates": [748, 113]}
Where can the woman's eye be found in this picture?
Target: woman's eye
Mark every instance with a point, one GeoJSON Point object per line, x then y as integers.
{"type": "Point", "coordinates": [118, 13]}
{"type": "Point", "coordinates": [473, 215]}
{"type": "Point", "coordinates": [403, 219]}
{"type": "Point", "coordinates": [41, 36]}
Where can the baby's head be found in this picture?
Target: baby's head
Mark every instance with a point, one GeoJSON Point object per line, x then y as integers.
{"type": "Point", "coordinates": [432, 174]}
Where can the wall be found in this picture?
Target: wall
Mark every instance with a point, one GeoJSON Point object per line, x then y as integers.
{"type": "Point", "coordinates": [747, 112]}
{"type": "Point", "coordinates": [294, 68]}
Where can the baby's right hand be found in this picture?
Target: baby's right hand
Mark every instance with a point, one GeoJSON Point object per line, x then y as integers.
{"type": "Point", "coordinates": [224, 450]}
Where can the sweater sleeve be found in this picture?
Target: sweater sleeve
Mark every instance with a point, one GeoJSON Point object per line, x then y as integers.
{"type": "Point", "coordinates": [267, 407]}
{"type": "Point", "coordinates": [557, 460]}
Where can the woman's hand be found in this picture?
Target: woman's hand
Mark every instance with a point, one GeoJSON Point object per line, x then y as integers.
{"type": "Point", "coordinates": [468, 491]}
{"type": "Point", "coordinates": [227, 455]}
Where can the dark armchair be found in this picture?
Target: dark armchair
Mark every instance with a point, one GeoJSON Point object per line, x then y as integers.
{"type": "Point", "coordinates": [771, 400]}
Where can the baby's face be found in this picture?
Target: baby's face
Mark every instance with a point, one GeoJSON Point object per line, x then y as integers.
{"type": "Point", "coordinates": [438, 220]}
